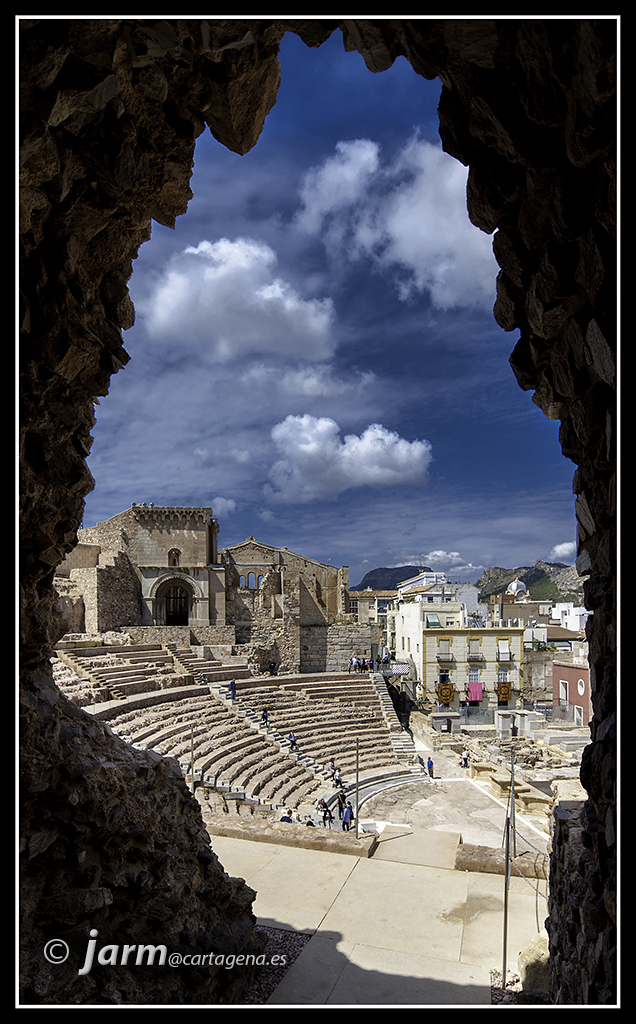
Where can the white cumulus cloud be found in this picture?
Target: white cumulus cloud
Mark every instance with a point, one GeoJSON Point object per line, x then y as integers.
{"type": "Point", "coordinates": [408, 217]}
{"type": "Point", "coordinates": [440, 560]}
{"type": "Point", "coordinates": [340, 181]}
{"type": "Point", "coordinates": [563, 552]}
{"type": "Point", "coordinates": [316, 463]}
{"type": "Point", "coordinates": [223, 506]}
{"type": "Point", "coordinates": [223, 300]}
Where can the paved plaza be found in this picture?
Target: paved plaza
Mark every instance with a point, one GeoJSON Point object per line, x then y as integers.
{"type": "Point", "coordinates": [402, 927]}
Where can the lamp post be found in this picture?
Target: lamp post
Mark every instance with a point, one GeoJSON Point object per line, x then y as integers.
{"type": "Point", "coordinates": [357, 783]}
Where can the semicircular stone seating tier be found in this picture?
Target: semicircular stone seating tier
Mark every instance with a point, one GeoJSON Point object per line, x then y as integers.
{"type": "Point", "coordinates": [220, 741]}
{"type": "Point", "coordinates": [228, 753]}
{"type": "Point", "coordinates": [121, 671]}
{"type": "Point", "coordinates": [340, 720]}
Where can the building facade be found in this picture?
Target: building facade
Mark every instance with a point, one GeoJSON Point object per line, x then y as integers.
{"type": "Point", "coordinates": [157, 572]}
{"type": "Point", "coordinates": [161, 566]}
{"type": "Point", "coordinates": [454, 664]}
{"type": "Point", "coordinates": [571, 691]}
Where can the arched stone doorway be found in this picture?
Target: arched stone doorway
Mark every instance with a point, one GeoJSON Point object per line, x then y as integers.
{"type": "Point", "coordinates": [173, 600]}
{"type": "Point", "coordinates": [177, 606]}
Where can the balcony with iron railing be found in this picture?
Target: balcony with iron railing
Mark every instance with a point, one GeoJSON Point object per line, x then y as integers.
{"type": "Point", "coordinates": [444, 657]}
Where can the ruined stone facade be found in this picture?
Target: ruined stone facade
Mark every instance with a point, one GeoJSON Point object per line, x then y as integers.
{"type": "Point", "coordinates": [285, 584]}
{"type": "Point", "coordinates": [164, 565]}
{"type": "Point", "coordinates": [109, 114]}
{"type": "Point", "coordinates": [159, 568]}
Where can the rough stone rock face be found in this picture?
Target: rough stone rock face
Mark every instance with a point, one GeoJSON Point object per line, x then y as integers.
{"type": "Point", "coordinates": [113, 840]}
{"type": "Point", "coordinates": [70, 605]}
{"type": "Point", "coordinates": [109, 114]}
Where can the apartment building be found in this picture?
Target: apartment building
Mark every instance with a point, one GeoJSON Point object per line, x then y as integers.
{"type": "Point", "coordinates": [454, 664]}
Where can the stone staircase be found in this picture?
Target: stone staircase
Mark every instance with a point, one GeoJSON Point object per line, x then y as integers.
{"type": "Point", "coordinates": [193, 662]}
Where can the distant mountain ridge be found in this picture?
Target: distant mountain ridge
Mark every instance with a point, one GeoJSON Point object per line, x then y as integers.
{"type": "Point", "coordinates": [545, 581]}
{"type": "Point", "coordinates": [388, 579]}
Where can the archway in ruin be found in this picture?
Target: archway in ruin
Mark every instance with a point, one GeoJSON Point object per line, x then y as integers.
{"type": "Point", "coordinates": [110, 111]}
{"type": "Point", "coordinates": [173, 605]}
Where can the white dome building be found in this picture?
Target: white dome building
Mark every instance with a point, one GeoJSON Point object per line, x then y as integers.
{"type": "Point", "coordinates": [518, 588]}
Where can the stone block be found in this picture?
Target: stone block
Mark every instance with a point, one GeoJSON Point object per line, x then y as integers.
{"type": "Point", "coordinates": [534, 964]}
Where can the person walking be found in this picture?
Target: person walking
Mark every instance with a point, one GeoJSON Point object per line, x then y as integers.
{"type": "Point", "coordinates": [347, 817]}
{"type": "Point", "coordinates": [342, 803]}
{"type": "Point", "coordinates": [464, 758]}
{"type": "Point", "coordinates": [265, 717]}
{"type": "Point", "coordinates": [292, 741]}
{"type": "Point", "coordinates": [232, 689]}
{"type": "Point", "coordinates": [429, 765]}
{"type": "Point", "coordinates": [323, 808]}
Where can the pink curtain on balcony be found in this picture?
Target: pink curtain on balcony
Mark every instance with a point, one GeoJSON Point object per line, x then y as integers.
{"type": "Point", "coordinates": [475, 691]}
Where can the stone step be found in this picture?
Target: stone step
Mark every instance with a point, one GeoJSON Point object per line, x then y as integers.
{"type": "Point", "coordinates": [119, 651]}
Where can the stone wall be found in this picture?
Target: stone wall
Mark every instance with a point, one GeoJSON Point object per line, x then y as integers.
{"type": "Point", "coordinates": [111, 594]}
{"type": "Point", "coordinates": [537, 675]}
{"type": "Point", "coordinates": [330, 648]}
{"type": "Point", "coordinates": [182, 636]}
{"type": "Point", "coordinates": [271, 640]}
{"type": "Point", "coordinates": [579, 970]}
{"type": "Point", "coordinates": [109, 114]}
{"type": "Point", "coordinates": [119, 533]}
{"type": "Point", "coordinates": [84, 556]}
{"type": "Point", "coordinates": [118, 597]}
{"type": "Point", "coordinates": [71, 605]}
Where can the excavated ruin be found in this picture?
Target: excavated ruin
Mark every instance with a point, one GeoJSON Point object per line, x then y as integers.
{"type": "Point", "coordinates": [111, 838]}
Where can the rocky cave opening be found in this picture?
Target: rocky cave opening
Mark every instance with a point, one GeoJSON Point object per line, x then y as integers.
{"type": "Point", "coordinates": [110, 837]}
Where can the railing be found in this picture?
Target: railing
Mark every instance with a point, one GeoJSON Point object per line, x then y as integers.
{"type": "Point", "coordinates": [477, 716]}
{"type": "Point", "coordinates": [394, 668]}
{"type": "Point", "coordinates": [560, 711]}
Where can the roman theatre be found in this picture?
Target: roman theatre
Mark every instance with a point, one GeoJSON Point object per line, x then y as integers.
{"type": "Point", "coordinates": [111, 836]}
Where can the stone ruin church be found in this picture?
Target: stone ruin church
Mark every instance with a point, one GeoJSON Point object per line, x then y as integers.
{"type": "Point", "coordinates": [157, 571]}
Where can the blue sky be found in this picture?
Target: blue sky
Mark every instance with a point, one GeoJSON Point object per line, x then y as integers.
{"type": "Point", "coordinates": [315, 356]}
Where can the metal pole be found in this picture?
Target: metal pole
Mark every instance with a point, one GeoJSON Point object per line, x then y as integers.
{"type": "Point", "coordinates": [512, 800]}
{"type": "Point", "coordinates": [505, 929]}
{"type": "Point", "coordinates": [192, 754]}
{"type": "Point", "coordinates": [357, 783]}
